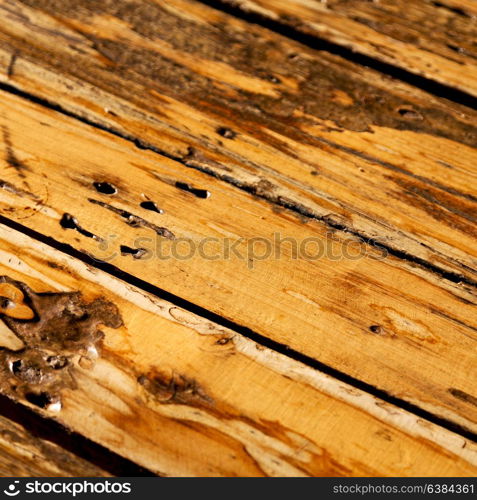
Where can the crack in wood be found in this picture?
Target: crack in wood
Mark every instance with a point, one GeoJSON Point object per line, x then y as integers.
{"type": "Point", "coordinates": [245, 331]}
{"type": "Point", "coordinates": [300, 209]}
{"type": "Point", "coordinates": [314, 41]}
{"type": "Point", "coordinates": [134, 220]}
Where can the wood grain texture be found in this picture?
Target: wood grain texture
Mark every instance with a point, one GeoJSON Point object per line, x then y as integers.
{"type": "Point", "coordinates": [184, 396]}
{"type": "Point", "coordinates": [426, 37]}
{"type": "Point", "coordinates": [23, 454]}
{"type": "Point", "coordinates": [301, 128]}
{"type": "Point", "coordinates": [376, 318]}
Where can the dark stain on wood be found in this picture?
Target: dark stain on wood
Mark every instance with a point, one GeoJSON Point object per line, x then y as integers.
{"type": "Point", "coordinates": [174, 389]}
{"type": "Point", "coordinates": [251, 53]}
{"type": "Point", "coordinates": [63, 328]}
{"type": "Point", "coordinates": [105, 188]}
{"type": "Point", "coordinates": [463, 396]}
{"type": "Point", "coordinates": [11, 65]}
{"type": "Point", "coordinates": [134, 220]}
{"type": "Point", "coordinates": [136, 253]}
{"type": "Point", "coordinates": [54, 265]}
{"type": "Point", "coordinates": [10, 156]}
{"type": "Point", "coordinates": [198, 193]}
{"type": "Point", "coordinates": [8, 186]}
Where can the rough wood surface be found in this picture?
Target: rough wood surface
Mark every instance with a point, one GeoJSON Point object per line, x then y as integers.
{"type": "Point", "coordinates": [378, 319]}
{"type": "Point", "coordinates": [23, 454]}
{"type": "Point", "coordinates": [431, 38]}
{"type": "Point", "coordinates": [302, 128]}
{"type": "Point", "coordinates": [184, 396]}
{"type": "Point", "coordinates": [191, 129]}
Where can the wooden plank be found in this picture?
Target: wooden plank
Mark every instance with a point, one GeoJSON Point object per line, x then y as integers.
{"type": "Point", "coordinates": [23, 454]}
{"type": "Point", "coordinates": [376, 318]}
{"type": "Point", "coordinates": [302, 128]}
{"type": "Point", "coordinates": [429, 38]}
{"type": "Point", "coordinates": [183, 396]}
{"type": "Point", "coordinates": [468, 7]}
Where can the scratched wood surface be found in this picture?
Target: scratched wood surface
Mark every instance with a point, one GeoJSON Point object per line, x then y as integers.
{"type": "Point", "coordinates": [351, 307]}
{"type": "Point", "coordinates": [184, 396]}
{"type": "Point", "coordinates": [22, 453]}
{"type": "Point", "coordinates": [133, 129]}
{"type": "Point", "coordinates": [301, 128]}
{"type": "Point", "coordinates": [434, 39]}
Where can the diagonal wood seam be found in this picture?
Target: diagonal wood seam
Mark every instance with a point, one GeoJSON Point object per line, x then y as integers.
{"type": "Point", "coordinates": [289, 204]}
{"type": "Point", "coordinates": [381, 410]}
{"type": "Point", "coordinates": [158, 296]}
{"type": "Point", "coordinates": [252, 13]}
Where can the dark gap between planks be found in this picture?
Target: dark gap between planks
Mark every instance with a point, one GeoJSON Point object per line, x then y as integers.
{"type": "Point", "coordinates": [241, 330]}
{"type": "Point", "coordinates": [451, 276]}
{"type": "Point", "coordinates": [50, 430]}
{"type": "Point", "coordinates": [316, 43]}
{"type": "Point", "coordinates": [119, 466]}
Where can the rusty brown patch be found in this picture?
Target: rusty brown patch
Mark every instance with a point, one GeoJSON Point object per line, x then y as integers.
{"type": "Point", "coordinates": [62, 330]}
{"type": "Point", "coordinates": [463, 396]}
{"type": "Point", "coordinates": [174, 388]}
{"type": "Point", "coordinates": [134, 220]}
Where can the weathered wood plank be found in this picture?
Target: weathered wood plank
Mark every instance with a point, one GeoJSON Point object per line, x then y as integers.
{"type": "Point", "coordinates": [183, 396]}
{"type": "Point", "coordinates": [23, 454]}
{"type": "Point", "coordinates": [376, 318]}
{"type": "Point", "coordinates": [426, 37]}
{"type": "Point", "coordinates": [468, 7]}
{"type": "Point", "coordinates": [299, 127]}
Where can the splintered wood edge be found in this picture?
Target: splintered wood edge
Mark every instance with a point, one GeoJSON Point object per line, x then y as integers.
{"type": "Point", "coordinates": [105, 392]}
{"type": "Point", "coordinates": [23, 454]}
{"type": "Point", "coordinates": [347, 27]}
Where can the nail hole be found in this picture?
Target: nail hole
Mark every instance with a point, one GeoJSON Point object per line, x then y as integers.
{"type": "Point", "coordinates": [42, 399]}
{"type": "Point", "coordinates": [105, 188]}
{"type": "Point", "coordinates": [137, 253]}
{"type": "Point", "coordinates": [410, 114]}
{"type": "Point", "coordinates": [6, 303]}
{"type": "Point", "coordinates": [27, 372]}
{"type": "Point", "coordinates": [16, 367]}
{"type": "Point", "coordinates": [226, 132]}
{"type": "Point", "coordinates": [200, 193]}
{"type": "Point", "coordinates": [150, 205]}
{"type": "Point", "coordinates": [455, 48]}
